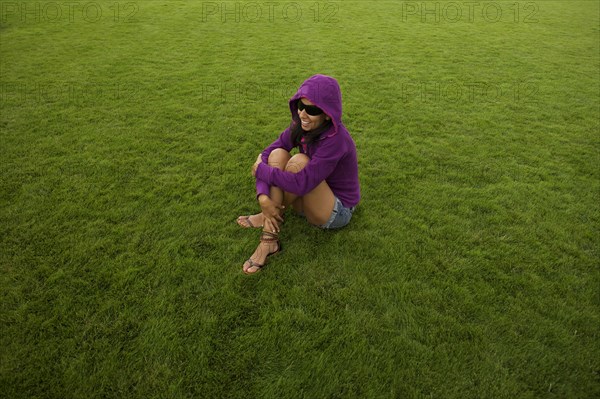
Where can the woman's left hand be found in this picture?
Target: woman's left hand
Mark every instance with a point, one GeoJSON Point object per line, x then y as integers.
{"type": "Point", "coordinates": [272, 211]}
{"type": "Point", "coordinates": [255, 166]}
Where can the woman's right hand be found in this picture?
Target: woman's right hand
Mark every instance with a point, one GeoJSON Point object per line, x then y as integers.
{"type": "Point", "coordinates": [272, 212]}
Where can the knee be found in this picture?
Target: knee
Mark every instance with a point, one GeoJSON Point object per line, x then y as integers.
{"type": "Point", "coordinates": [315, 221]}
{"type": "Point", "coordinates": [297, 163]}
{"type": "Point", "coordinates": [278, 158]}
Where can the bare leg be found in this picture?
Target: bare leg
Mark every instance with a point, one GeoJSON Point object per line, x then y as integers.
{"type": "Point", "coordinates": [316, 205]}
{"type": "Point", "coordinates": [277, 159]}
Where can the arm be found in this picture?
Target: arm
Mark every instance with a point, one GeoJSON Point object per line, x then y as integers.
{"type": "Point", "coordinates": [270, 209]}
{"type": "Point", "coordinates": [283, 141]}
{"type": "Point", "coordinates": [323, 162]}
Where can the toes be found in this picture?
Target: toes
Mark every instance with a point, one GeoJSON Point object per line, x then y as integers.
{"type": "Point", "coordinates": [250, 269]}
{"type": "Point", "coordinates": [247, 268]}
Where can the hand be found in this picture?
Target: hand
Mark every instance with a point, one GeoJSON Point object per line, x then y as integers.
{"type": "Point", "coordinates": [272, 212]}
{"type": "Point", "coordinates": [255, 166]}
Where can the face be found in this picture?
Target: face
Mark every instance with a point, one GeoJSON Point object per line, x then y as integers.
{"type": "Point", "coordinates": [311, 122]}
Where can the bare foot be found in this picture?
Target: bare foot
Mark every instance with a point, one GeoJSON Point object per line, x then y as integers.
{"type": "Point", "coordinates": [251, 221]}
{"type": "Point", "coordinates": [259, 256]}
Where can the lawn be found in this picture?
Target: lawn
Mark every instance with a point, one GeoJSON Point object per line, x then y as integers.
{"type": "Point", "coordinates": [469, 270]}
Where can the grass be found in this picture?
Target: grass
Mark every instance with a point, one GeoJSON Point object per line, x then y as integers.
{"type": "Point", "coordinates": [470, 268]}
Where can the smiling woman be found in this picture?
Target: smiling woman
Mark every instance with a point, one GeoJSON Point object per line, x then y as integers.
{"type": "Point", "coordinates": [320, 182]}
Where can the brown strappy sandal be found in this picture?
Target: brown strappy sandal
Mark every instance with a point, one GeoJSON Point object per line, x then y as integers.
{"type": "Point", "coordinates": [248, 224]}
{"type": "Point", "coordinates": [265, 237]}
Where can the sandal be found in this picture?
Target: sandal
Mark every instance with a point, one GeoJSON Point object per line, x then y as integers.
{"type": "Point", "coordinates": [264, 237]}
{"type": "Point", "coordinates": [248, 222]}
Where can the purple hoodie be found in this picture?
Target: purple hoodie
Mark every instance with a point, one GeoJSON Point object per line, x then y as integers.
{"type": "Point", "coordinates": [332, 156]}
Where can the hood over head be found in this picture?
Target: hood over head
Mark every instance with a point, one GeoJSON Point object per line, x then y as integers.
{"type": "Point", "coordinates": [323, 91]}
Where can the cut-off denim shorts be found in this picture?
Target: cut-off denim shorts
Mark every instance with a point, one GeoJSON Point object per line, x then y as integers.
{"type": "Point", "coordinates": [340, 216]}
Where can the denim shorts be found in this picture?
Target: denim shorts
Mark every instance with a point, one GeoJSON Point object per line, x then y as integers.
{"type": "Point", "coordinates": [340, 216]}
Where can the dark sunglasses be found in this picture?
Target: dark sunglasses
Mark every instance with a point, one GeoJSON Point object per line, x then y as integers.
{"type": "Point", "coordinates": [312, 110]}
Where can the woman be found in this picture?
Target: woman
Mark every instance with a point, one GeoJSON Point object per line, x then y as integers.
{"type": "Point", "coordinates": [320, 182]}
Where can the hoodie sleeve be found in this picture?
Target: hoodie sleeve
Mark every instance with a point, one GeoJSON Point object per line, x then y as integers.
{"type": "Point", "coordinates": [283, 141]}
{"type": "Point", "coordinates": [322, 163]}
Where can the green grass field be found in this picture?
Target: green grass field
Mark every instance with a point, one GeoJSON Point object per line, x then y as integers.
{"type": "Point", "coordinates": [470, 268]}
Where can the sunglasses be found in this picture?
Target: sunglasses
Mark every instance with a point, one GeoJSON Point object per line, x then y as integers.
{"type": "Point", "coordinates": [312, 110]}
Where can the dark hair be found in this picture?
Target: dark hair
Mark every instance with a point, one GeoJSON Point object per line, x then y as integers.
{"type": "Point", "coordinates": [310, 136]}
